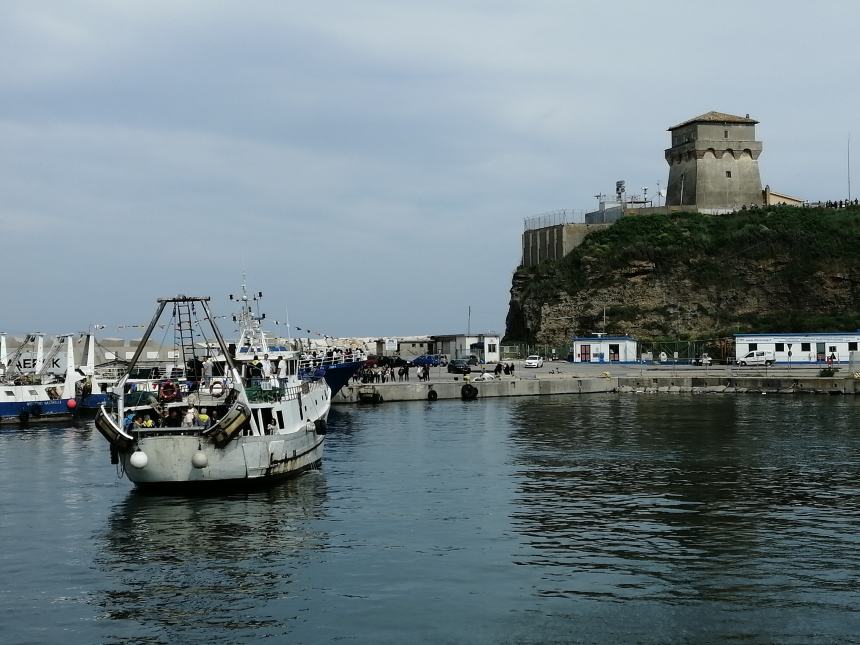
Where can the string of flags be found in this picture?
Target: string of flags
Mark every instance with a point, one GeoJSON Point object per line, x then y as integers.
{"type": "Point", "coordinates": [310, 332]}
{"type": "Point", "coordinates": [305, 329]}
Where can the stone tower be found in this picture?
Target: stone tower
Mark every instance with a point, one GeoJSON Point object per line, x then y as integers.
{"type": "Point", "coordinates": [713, 163]}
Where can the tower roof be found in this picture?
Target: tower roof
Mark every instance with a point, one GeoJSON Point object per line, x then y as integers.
{"type": "Point", "coordinates": [716, 117]}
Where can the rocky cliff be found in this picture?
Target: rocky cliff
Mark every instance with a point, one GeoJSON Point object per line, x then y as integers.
{"type": "Point", "coordinates": [694, 276]}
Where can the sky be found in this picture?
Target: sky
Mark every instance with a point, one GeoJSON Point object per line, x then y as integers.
{"type": "Point", "coordinates": [368, 165]}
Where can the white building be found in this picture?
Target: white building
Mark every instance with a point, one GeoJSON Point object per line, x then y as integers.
{"type": "Point", "coordinates": [813, 347]}
{"type": "Point", "coordinates": [484, 346]}
{"type": "Point", "coordinates": [605, 349]}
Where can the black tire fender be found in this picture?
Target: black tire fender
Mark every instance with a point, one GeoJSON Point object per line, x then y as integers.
{"type": "Point", "coordinates": [468, 392]}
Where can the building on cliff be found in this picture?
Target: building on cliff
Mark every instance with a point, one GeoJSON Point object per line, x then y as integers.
{"type": "Point", "coordinates": [713, 163]}
{"type": "Point", "coordinates": [713, 168]}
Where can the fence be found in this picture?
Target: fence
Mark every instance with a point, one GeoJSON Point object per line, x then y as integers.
{"type": "Point", "coordinates": [519, 351]}
{"type": "Point", "coordinates": [554, 218]}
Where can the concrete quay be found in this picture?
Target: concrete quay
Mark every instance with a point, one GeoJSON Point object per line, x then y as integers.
{"type": "Point", "coordinates": [566, 378]}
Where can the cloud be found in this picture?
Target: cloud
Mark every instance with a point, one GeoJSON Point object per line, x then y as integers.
{"type": "Point", "coordinates": [369, 162]}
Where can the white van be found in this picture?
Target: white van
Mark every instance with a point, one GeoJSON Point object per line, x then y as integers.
{"type": "Point", "coordinates": [758, 357]}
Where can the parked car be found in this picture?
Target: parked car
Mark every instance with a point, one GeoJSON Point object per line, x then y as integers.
{"type": "Point", "coordinates": [473, 360]}
{"type": "Point", "coordinates": [459, 366]}
{"type": "Point", "coordinates": [427, 360]}
{"type": "Point", "coordinates": [534, 361]}
{"type": "Point", "coordinates": [758, 357]}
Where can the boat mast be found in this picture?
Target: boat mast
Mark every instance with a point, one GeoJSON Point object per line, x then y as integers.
{"type": "Point", "coordinates": [120, 386]}
{"type": "Point", "coordinates": [237, 377]}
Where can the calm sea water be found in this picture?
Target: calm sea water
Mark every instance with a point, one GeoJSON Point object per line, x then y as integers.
{"type": "Point", "coordinates": [601, 518]}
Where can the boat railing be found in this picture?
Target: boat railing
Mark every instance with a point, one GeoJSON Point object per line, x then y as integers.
{"type": "Point", "coordinates": [212, 391]}
{"type": "Point", "coordinates": [327, 361]}
{"type": "Point", "coordinates": [267, 391]}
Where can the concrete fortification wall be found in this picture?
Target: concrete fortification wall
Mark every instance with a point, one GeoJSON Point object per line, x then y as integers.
{"type": "Point", "coordinates": [554, 242]}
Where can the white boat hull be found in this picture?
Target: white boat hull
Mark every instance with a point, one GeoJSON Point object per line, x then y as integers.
{"type": "Point", "coordinates": [170, 459]}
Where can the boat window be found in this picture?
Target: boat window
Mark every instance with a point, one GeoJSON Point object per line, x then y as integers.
{"type": "Point", "coordinates": [33, 392]}
{"type": "Point", "coordinates": [265, 418]}
{"type": "Point", "coordinates": [10, 393]}
{"type": "Point", "coordinates": [281, 420]}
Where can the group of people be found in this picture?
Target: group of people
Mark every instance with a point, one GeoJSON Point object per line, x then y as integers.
{"type": "Point", "coordinates": [841, 203]}
{"type": "Point", "coordinates": [189, 417]}
{"type": "Point", "coordinates": [257, 369]}
{"type": "Point", "coordinates": [331, 356]}
{"type": "Point", "coordinates": [506, 368]}
{"type": "Point", "coordinates": [385, 374]}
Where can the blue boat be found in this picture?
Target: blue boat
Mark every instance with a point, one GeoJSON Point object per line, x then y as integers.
{"type": "Point", "coordinates": [336, 374]}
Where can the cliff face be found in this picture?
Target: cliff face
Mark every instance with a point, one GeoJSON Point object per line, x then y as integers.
{"type": "Point", "coordinates": [694, 276]}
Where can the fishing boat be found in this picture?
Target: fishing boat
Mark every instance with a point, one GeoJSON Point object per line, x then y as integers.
{"type": "Point", "coordinates": [39, 395]}
{"type": "Point", "coordinates": [221, 415]}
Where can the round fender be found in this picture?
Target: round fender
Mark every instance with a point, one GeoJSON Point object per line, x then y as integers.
{"type": "Point", "coordinates": [321, 426]}
{"type": "Point", "coordinates": [468, 392]}
{"type": "Point", "coordinates": [432, 395]}
{"type": "Point", "coordinates": [217, 389]}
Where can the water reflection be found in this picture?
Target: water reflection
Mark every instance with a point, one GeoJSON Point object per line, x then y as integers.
{"type": "Point", "coordinates": [178, 563]}
{"type": "Point", "coordinates": [656, 499]}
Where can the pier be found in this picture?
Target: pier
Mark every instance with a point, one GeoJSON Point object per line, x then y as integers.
{"type": "Point", "coordinates": [566, 378]}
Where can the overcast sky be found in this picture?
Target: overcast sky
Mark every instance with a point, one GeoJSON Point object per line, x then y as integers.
{"type": "Point", "coordinates": [369, 163]}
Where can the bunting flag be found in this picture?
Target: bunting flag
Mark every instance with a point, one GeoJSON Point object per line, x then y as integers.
{"type": "Point", "coordinates": [278, 323]}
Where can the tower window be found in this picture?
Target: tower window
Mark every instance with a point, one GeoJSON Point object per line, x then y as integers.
{"type": "Point", "coordinates": [725, 134]}
{"type": "Point", "coordinates": [728, 174]}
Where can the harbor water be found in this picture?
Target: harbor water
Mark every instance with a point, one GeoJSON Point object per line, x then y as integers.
{"type": "Point", "coordinates": [599, 518]}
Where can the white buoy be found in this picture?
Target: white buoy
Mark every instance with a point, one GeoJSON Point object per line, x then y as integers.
{"type": "Point", "coordinates": [310, 426]}
{"type": "Point", "coordinates": [199, 459]}
{"type": "Point", "coordinates": [138, 459]}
